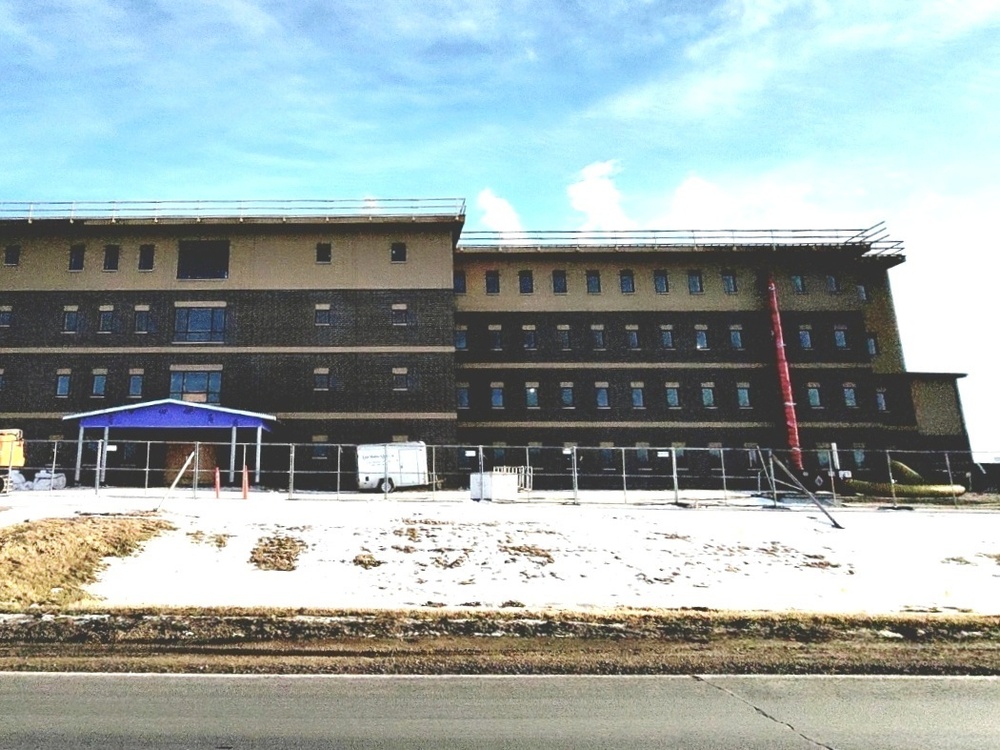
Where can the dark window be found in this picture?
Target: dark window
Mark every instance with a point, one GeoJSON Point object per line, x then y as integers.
{"type": "Point", "coordinates": [805, 338]}
{"type": "Point", "coordinates": [147, 257]}
{"type": "Point", "coordinates": [324, 252]}
{"type": "Point", "coordinates": [880, 401]}
{"type": "Point", "coordinates": [530, 336]}
{"type": "Point", "coordinates": [462, 396]}
{"type": "Point", "coordinates": [736, 338]}
{"type": "Point", "coordinates": [593, 282]}
{"type": "Point", "coordinates": [563, 339]}
{"type": "Point", "coordinates": [76, 253]}
{"type": "Point", "coordinates": [399, 315]}
{"type": "Point", "coordinates": [601, 397]}
{"type": "Point", "coordinates": [673, 396]}
{"type": "Point", "coordinates": [863, 292]}
{"type": "Point", "coordinates": [62, 384]}
{"type": "Point", "coordinates": [638, 397]}
{"type": "Point", "coordinates": [729, 282]}
{"type": "Point", "coordinates": [526, 282]}
{"type": "Point", "coordinates": [112, 253]}
{"type": "Point", "coordinates": [531, 396]}
{"type": "Point", "coordinates": [71, 321]}
{"type": "Point", "coordinates": [632, 338]}
{"type": "Point", "coordinates": [99, 384]}
{"type": "Point", "coordinates": [813, 396]}
{"type": "Point", "coordinates": [708, 395]}
{"type": "Point", "coordinates": [458, 282]}
{"type": "Point", "coordinates": [135, 385]}
{"type": "Point", "coordinates": [397, 252]}
{"type": "Point", "coordinates": [202, 387]}
{"type": "Point", "coordinates": [695, 283]}
{"type": "Point", "coordinates": [3, 381]}
{"type": "Point", "coordinates": [832, 284]}
{"type": "Point", "coordinates": [200, 324]}
{"type": "Point", "coordinates": [401, 379]}
{"type": "Point", "coordinates": [840, 337]}
{"type": "Point", "coordinates": [6, 317]}
{"type": "Point", "coordinates": [666, 338]}
{"type": "Point", "coordinates": [627, 281]}
{"type": "Point", "coordinates": [597, 338]}
{"type": "Point", "coordinates": [850, 396]}
{"type": "Point", "coordinates": [461, 339]}
{"type": "Point", "coordinates": [701, 338]}
{"type": "Point", "coordinates": [142, 321]}
{"type": "Point", "coordinates": [799, 284]}
{"type": "Point", "coordinates": [105, 321]}
{"type": "Point", "coordinates": [203, 259]}
{"type": "Point", "coordinates": [496, 339]}
{"type": "Point", "coordinates": [322, 380]}
{"type": "Point", "coordinates": [743, 396]}
{"type": "Point", "coordinates": [661, 283]}
{"type": "Point", "coordinates": [872, 344]}
{"type": "Point", "coordinates": [559, 285]}
{"type": "Point", "coordinates": [496, 396]}
{"type": "Point", "coordinates": [322, 316]}
{"type": "Point", "coordinates": [566, 395]}
{"type": "Point", "coordinates": [12, 255]}
{"type": "Point", "coordinates": [493, 282]}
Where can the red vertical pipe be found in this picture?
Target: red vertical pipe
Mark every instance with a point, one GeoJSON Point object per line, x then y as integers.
{"type": "Point", "coordinates": [784, 379]}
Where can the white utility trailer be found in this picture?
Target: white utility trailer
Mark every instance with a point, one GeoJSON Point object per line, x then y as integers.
{"type": "Point", "coordinates": [386, 466]}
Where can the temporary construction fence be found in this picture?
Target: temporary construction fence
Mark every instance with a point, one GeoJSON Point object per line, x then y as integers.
{"type": "Point", "coordinates": [560, 471]}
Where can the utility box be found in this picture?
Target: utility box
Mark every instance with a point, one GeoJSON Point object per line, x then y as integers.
{"type": "Point", "coordinates": [386, 466]}
{"type": "Point", "coordinates": [494, 485]}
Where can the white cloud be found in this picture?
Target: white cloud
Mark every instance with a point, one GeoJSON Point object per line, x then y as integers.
{"type": "Point", "coordinates": [596, 196]}
{"type": "Point", "coordinates": [498, 214]}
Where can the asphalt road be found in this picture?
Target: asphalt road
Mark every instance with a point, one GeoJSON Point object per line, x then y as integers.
{"type": "Point", "coordinates": [224, 712]}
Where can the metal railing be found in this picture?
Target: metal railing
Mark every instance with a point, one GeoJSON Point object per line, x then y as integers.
{"type": "Point", "coordinates": [234, 209]}
{"type": "Point", "coordinates": [594, 474]}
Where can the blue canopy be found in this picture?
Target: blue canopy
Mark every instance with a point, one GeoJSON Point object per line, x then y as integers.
{"type": "Point", "coordinates": [170, 413]}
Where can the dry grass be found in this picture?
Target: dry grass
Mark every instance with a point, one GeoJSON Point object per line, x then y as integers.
{"type": "Point", "coordinates": [367, 561]}
{"type": "Point", "coordinates": [277, 552]}
{"type": "Point", "coordinates": [48, 562]}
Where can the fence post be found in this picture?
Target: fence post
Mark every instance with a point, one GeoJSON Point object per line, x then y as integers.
{"type": "Point", "coordinates": [673, 471]}
{"type": "Point", "coordinates": [434, 472]}
{"type": "Point", "coordinates": [951, 479]}
{"type": "Point", "coordinates": [97, 468]}
{"type": "Point", "coordinates": [624, 479]}
{"type": "Point", "coordinates": [722, 464]}
{"type": "Point", "coordinates": [576, 488]}
{"type": "Point", "coordinates": [197, 468]}
{"type": "Point", "coordinates": [291, 470]}
{"type": "Point", "coordinates": [52, 478]}
{"type": "Point", "coordinates": [892, 481]}
{"type": "Point", "coordinates": [340, 450]}
{"type": "Point", "coordinates": [149, 447]}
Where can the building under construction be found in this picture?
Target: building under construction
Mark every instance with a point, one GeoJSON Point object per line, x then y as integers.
{"type": "Point", "coordinates": [363, 321]}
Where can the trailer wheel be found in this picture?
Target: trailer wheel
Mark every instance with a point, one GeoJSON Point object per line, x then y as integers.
{"type": "Point", "coordinates": [386, 485]}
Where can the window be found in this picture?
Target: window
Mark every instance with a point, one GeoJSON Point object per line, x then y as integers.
{"type": "Point", "coordinates": [626, 280]}
{"type": "Point", "coordinates": [701, 337]}
{"type": "Point", "coordinates": [880, 400]}
{"type": "Point", "coordinates": [397, 252]}
{"type": "Point", "coordinates": [743, 395]}
{"type": "Point", "coordinates": [461, 338]}
{"type": "Point", "coordinates": [559, 285]}
{"type": "Point", "coordinates": [871, 343]}
{"type": "Point", "coordinates": [708, 395]}
{"type": "Point", "coordinates": [525, 282]}
{"type": "Point", "coordinates": [840, 336]}
{"type": "Point", "coordinates": [147, 257]}
{"type": "Point", "coordinates": [661, 284]}
{"type": "Point", "coordinates": [3, 380]}
{"type": "Point", "coordinates": [805, 337]}
{"type": "Point", "coordinates": [666, 337]}
{"type": "Point", "coordinates": [672, 395]}
{"type": "Point", "coordinates": [862, 292]}
{"type": "Point", "coordinates": [324, 252]}
{"type": "Point", "coordinates": [606, 456]}
{"type": "Point", "coordinates": [141, 320]}
{"type": "Point", "coordinates": [458, 282]}
{"type": "Point", "coordinates": [642, 456]}
{"type": "Point", "coordinates": [320, 447]}
{"type": "Point", "coordinates": [496, 337]}
{"type": "Point", "coordinates": [462, 395]}
{"type": "Point", "coordinates": [496, 395]}
{"type": "Point", "coordinates": [601, 398]}
{"type": "Point", "coordinates": [98, 383]}
{"type": "Point", "coordinates": [729, 282]}
{"type": "Point", "coordinates": [850, 396]}
{"type": "Point", "coordinates": [135, 383]}
{"type": "Point", "coordinates": [322, 380]}
{"type": "Point", "coordinates": [76, 253]}
{"type": "Point", "coordinates": [105, 319]}
{"type": "Point", "coordinates": [399, 315]}
{"type": "Point", "coordinates": [200, 324]}
{"type": "Point", "coordinates": [632, 337]}
{"type": "Point", "coordinates": [203, 259]}
{"type": "Point", "coordinates": [12, 255]}
{"type": "Point", "coordinates": [499, 454]}
{"type": "Point", "coordinates": [493, 282]}
{"type": "Point", "coordinates": [196, 386]}
{"type": "Point", "coordinates": [597, 337]}
{"type": "Point", "coordinates": [563, 337]}
{"type": "Point", "coordinates": [566, 399]}
{"type": "Point", "coordinates": [71, 319]}
{"type": "Point", "coordinates": [813, 396]}
{"type": "Point", "coordinates": [402, 379]}
{"type": "Point", "coordinates": [322, 315]}
{"type": "Point", "coordinates": [529, 337]}
{"type": "Point", "coordinates": [638, 395]}
{"type": "Point", "coordinates": [6, 316]}
{"type": "Point", "coordinates": [112, 253]}
{"type": "Point", "coordinates": [531, 395]}
{"type": "Point", "coordinates": [593, 282]}
{"type": "Point", "coordinates": [695, 283]}
{"type": "Point", "coordinates": [799, 284]}
{"type": "Point", "coordinates": [832, 284]}
{"type": "Point", "coordinates": [63, 383]}
{"type": "Point", "coordinates": [736, 336]}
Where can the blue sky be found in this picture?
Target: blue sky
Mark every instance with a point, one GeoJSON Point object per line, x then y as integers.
{"type": "Point", "coordinates": [546, 115]}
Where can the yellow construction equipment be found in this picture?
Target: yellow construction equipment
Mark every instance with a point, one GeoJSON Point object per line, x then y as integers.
{"type": "Point", "coordinates": [11, 455]}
